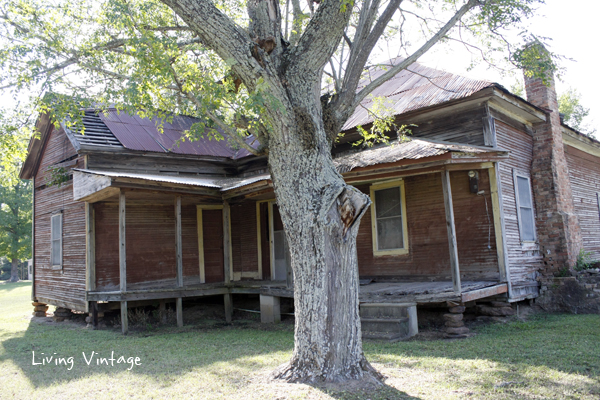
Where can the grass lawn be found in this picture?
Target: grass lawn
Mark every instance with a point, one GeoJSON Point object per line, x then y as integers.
{"type": "Point", "coordinates": [547, 357]}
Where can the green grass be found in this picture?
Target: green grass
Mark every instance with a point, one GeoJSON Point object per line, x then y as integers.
{"type": "Point", "coordinates": [547, 357]}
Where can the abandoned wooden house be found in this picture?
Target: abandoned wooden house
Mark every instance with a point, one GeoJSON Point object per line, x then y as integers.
{"type": "Point", "coordinates": [490, 195]}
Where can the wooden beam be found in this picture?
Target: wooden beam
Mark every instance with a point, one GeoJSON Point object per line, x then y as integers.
{"type": "Point", "coordinates": [122, 248]}
{"type": "Point", "coordinates": [499, 225]}
{"type": "Point", "coordinates": [90, 248]}
{"type": "Point", "coordinates": [200, 243]}
{"type": "Point", "coordinates": [258, 241]}
{"type": "Point", "coordinates": [154, 294]}
{"type": "Point", "coordinates": [483, 293]}
{"type": "Point", "coordinates": [124, 318]}
{"type": "Point", "coordinates": [446, 187]}
{"type": "Point", "coordinates": [228, 303]}
{"type": "Point", "coordinates": [87, 185]}
{"type": "Point", "coordinates": [178, 243]}
{"type": "Point", "coordinates": [227, 250]}
{"type": "Point", "coordinates": [179, 310]}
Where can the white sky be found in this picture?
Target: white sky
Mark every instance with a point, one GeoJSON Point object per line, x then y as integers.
{"type": "Point", "coordinates": [574, 28]}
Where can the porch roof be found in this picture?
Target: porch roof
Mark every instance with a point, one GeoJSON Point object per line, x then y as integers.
{"type": "Point", "coordinates": [97, 185]}
{"type": "Point", "coordinates": [420, 150]}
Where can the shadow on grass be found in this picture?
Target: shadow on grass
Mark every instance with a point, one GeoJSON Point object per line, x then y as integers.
{"type": "Point", "coordinates": [7, 286]}
{"type": "Point", "coordinates": [516, 355]}
{"type": "Point", "coordinates": [164, 354]}
{"type": "Point", "coordinates": [385, 392]}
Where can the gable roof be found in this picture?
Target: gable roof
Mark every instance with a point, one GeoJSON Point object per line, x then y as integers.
{"type": "Point", "coordinates": [416, 87]}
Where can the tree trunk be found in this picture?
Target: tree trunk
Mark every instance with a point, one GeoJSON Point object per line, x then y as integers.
{"type": "Point", "coordinates": [14, 270]}
{"type": "Point", "coordinates": [321, 215]}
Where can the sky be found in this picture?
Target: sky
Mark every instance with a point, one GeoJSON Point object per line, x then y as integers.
{"type": "Point", "coordinates": [574, 28]}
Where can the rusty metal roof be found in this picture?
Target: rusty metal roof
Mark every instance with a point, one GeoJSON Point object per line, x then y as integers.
{"type": "Point", "coordinates": [411, 89]}
{"type": "Point", "coordinates": [416, 87]}
{"type": "Point", "coordinates": [121, 130]}
{"type": "Point", "coordinates": [413, 149]}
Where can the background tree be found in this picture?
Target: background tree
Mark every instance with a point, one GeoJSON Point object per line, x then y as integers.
{"type": "Point", "coordinates": [574, 113]}
{"type": "Point", "coordinates": [229, 62]}
{"type": "Point", "coordinates": [15, 224]}
{"type": "Point", "coordinates": [15, 194]}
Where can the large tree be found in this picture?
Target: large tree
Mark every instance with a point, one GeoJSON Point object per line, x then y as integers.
{"type": "Point", "coordinates": [229, 62]}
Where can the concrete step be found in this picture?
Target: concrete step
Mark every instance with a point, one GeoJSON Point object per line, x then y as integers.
{"type": "Point", "coordinates": [385, 325]}
{"type": "Point", "coordinates": [389, 321]}
{"type": "Point", "coordinates": [386, 310]}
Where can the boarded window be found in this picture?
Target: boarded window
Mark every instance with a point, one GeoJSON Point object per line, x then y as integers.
{"type": "Point", "coordinates": [56, 240]}
{"type": "Point", "coordinates": [389, 226]}
{"type": "Point", "coordinates": [525, 212]}
{"type": "Point", "coordinates": [598, 198]}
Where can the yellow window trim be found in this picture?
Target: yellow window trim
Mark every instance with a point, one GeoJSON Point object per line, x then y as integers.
{"type": "Point", "coordinates": [387, 185]}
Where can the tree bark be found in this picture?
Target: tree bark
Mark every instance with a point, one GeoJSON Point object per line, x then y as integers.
{"type": "Point", "coordinates": [321, 215]}
{"type": "Point", "coordinates": [14, 270]}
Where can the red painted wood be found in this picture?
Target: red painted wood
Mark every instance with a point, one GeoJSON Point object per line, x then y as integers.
{"type": "Point", "coordinates": [212, 228]}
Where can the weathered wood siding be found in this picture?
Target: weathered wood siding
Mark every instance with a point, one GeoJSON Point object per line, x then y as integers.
{"type": "Point", "coordinates": [212, 227]}
{"type": "Point", "coordinates": [189, 240]}
{"type": "Point", "coordinates": [244, 238]}
{"type": "Point", "coordinates": [65, 286]}
{"type": "Point", "coordinates": [584, 173]}
{"type": "Point", "coordinates": [524, 261]}
{"type": "Point", "coordinates": [150, 243]}
{"type": "Point", "coordinates": [428, 254]}
{"type": "Point", "coordinates": [460, 127]}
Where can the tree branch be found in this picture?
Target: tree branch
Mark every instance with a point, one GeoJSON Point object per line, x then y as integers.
{"type": "Point", "coordinates": [360, 96]}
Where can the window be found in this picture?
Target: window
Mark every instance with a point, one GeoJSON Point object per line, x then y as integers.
{"type": "Point", "coordinates": [598, 198]}
{"type": "Point", "coordinates": [56, 241]}
{"type": "Point", "coordinates": [388, 215]}
{"type": "Point", "coordinates": [524, 201]}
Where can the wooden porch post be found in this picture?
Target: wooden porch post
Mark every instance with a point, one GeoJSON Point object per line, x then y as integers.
{"type": "Point", "coordinates": [451, 231]}
{"type": "Point", "coordinates": [179, 259]}
{"type": "Point", "coordinates": [499, 230]}
{"type": "Point", "coordinates": [122, 261]}
{"type": "Point", "coordinates": [227, 267]}
{"type": "Point", "coordinates": [90, 250]}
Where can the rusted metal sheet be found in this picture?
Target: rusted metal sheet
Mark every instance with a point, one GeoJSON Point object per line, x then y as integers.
{"type": "Point", "coordinates": [524, 261]}
{"type": "Point", "coordinates": [65, 285]}
{"type": "Point", "coordinates": [416, 87]}
{"type": "Point", "coordinates": [162, 136]}
{"type": "Point", "coordinates": [584, 173]}
{"type": "Point", "coordinates": [413, 149]}
{"type": "Point", "coordinates": [428, 254]}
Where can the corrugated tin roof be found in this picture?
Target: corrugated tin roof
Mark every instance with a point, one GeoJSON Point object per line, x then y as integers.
{"type": "Point", "coordinates": [216, 182]}
{"type": "Point", "coordinates": [413, 149]}
{"type": "Point", "coordinates": [416, 87]}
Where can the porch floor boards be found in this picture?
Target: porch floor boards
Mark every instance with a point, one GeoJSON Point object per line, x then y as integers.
{"type": "Point", "coordinates": [378, 292]}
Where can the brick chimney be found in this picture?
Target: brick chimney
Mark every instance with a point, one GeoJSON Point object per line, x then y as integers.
{"type": "Point", "coordinates": [559, 233]}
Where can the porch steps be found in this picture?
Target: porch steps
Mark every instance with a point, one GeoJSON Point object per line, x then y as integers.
{"type": "Point", "coordinates": [388, 321]}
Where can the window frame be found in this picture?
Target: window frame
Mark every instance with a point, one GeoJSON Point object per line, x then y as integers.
{"type": "Point", "coordinates": [516, 175]}
{"type": "Point", "coordinates": [381, 186]}
{"type": "Point", "coordinates": [60, 240]}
